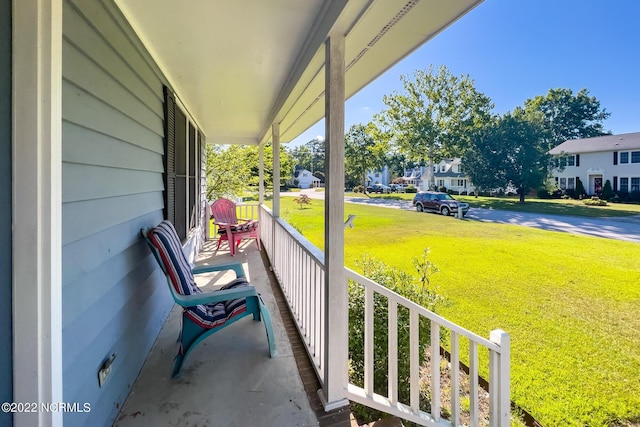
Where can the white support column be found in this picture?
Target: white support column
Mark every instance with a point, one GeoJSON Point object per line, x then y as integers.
{"type": "Point", "coordinates": [336, 297]}
{"type": "Point", "coordinates": [37, 208]}
{"type": "Point", "coordinates": [261, 174]}
{"type": "Point", "coordinates": [275, 131]}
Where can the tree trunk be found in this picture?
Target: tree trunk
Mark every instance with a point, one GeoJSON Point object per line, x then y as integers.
{"type": "Point", "coordinates": [521, 192]}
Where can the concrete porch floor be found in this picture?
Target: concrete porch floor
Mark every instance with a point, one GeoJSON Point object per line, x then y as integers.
{"type": "Point", "coordinates": [229, 379]}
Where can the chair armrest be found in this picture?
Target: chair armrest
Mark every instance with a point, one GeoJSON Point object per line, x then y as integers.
{"type": "Point", "coordinates": [235, 266]}
{"type": "Point", "coordinates": [215, 296]}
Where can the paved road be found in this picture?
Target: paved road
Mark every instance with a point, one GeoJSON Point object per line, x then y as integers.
{"type": "Point", "coordinates": [620, 228]}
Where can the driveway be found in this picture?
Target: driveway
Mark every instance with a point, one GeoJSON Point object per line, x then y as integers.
{"type": "Point", "coordinates": [620, 228]}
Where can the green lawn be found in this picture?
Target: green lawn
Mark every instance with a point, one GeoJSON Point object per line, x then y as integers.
{"type": "Point", "coordinates": [570, 303]}
{"type": "Point", "coordinates": [548, 206]}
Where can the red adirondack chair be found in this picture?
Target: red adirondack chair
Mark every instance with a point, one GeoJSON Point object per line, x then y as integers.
{"type": "Point", "coordinates": [230, 227]}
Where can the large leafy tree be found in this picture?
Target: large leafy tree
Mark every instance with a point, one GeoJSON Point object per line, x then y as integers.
{"type": "Point", "coordinates": [310, 156]}
{"type": "Point", "coordinates": [227, 171]}
{"type": "Point", "coordinates": [568, 116]}
{"type": "Point", "coordinates": [363, 152]}
{"type": "Point", "coordinates": [509, 151]}
{"type": "Point", "coordinates": [251, 157]}
{"type": "Point", "coordinates": [232, 169]}
{"type": "Point", "coordinates": [434, 116]}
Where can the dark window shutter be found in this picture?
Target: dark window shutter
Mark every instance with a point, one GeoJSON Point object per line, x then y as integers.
{"type": "Point", "coordinates": [170, 155]}
{"type": "Point", "coordinates": [577, 160]}
{"type": "Point", "coordinates": [615, 157]}
{"type": "Point", "coordinates": [615, 183]}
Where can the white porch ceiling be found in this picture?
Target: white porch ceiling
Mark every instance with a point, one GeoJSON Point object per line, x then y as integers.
{"type": "Point", "coordinates": [239, 66]}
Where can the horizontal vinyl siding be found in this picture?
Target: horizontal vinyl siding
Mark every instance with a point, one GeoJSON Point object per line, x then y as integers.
{"type": "Point", "coordinates": [114, 297]}
{"type": "Point", "coordinates": [6, 332]}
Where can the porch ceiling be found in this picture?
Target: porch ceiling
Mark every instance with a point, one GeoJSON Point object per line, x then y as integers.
{"type": "Point", "coordinates": [239, 66]}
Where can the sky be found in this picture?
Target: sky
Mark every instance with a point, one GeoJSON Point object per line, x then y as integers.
{"type": "Point", "coordinates": [518, 49]}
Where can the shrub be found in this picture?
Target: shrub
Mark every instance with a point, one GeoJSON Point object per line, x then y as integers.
{"type": "Point", "coordinates": [557, 193]}
{"type": "Point", "coordinates": [417, 289]}
{"type": "Point", "coordinates": [607, 191]}
{"type": "Point", "coordinates": [543, 193]}
{"type": "Point", "coordinates": [358, 189]}
{"type": "Point", "coordinates": [442, 189]}
{"type": "Point", "coordinates": [595, 201]}
{"type": "Point", "coordinates": [411, 189]}
{"type": "Point", "coordinates": [579, 188]}
{"type": "Point", "coordinates": [302, 201]}
{"type": "Point", "coordinates": [571, 193]}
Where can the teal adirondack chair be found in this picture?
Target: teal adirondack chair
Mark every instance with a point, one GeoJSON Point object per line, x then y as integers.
{"type": "Point", "coordinates": [204, 314]}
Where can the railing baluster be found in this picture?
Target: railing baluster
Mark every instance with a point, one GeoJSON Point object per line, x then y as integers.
{"type": "Point", "coordinates": [368, 341]}
{"type": "Point", "coordinates": [414, 362]}
{"type": "Point", "coordinates": [473, 383]}
{"type": "Point", "coordinates": [393, 351]}
{"type": "Point", "coordinates": [455, 380]}
{"type": "Point", "coordinates": [494, 389]}
{"type": "Point", "coordinates": [435, 370]}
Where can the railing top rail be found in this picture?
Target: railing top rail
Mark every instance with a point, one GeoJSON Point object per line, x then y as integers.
{"type": "Point", "coordinates": [316, 254]}
{"type": "Point", "coordinates": [421, 310]}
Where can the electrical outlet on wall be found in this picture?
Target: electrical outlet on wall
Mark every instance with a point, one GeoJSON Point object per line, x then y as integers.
{"type": "Point", "coordinates": [105, 370]}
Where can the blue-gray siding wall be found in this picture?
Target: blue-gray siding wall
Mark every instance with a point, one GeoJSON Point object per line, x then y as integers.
{"type": "Point", "coordinates": [114, 297]}
{"type": "Point", "coordinates": [6, 348]}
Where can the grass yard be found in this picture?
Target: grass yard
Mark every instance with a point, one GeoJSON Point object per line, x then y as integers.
{"type": "Point", "coordinates": [570, 303]}
{"type": "Point", "coordinates": [547, 206]}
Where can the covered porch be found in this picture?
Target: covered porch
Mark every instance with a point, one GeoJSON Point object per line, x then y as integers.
{"type": "Point", "coordinates": [229, 380]}
{"type": "Point", "coordinates": [97, 88]}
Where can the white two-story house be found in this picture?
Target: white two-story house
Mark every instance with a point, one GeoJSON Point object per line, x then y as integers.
{"type": "Point", "coordinates": [449, 173]}
{"type": "Point", "coordinates": [595, 160]}
{"type": "Point", "coordinates": [379, 176]}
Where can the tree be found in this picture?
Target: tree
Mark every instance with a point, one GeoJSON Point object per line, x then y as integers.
{"type": "Point", "coordinates": [362, 152]}
{"type": "Point", "coordinates": [251, 157]}
{"type": "Point", "coordinates": [509, 151]}
{"type": "Point", "coordinates": [569, 116]}
{"type": "Point", "coordinates": [232, 169]}
{"type": "Point", "coordinates": [434, 116]}
{"type": "Point", "coordinates": [310, 156]}
{"type": "Point", "coordinates": [607, 191]}
{"type": "Point", "coordinates": [227, 171]}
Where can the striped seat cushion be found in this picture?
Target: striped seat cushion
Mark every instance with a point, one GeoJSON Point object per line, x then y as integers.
{"type": "Point", "coordinates": [213, 315]}
{"type": "Point", "coordinates": [248, 226]}
{"type": "Point", "coordinates": [165, 239]}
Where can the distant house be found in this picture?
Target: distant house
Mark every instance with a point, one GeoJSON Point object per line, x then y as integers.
{"type": "Point", "coordinates": [306, 179]}
{"type": "Point", "coordinates": [378, 176]}
{"type": "Point", "coordinates": [449, 173]}
{"type": "Point", "coordinates": [595, 160]}
{"type": "Point", "coordinates": [414, 176]}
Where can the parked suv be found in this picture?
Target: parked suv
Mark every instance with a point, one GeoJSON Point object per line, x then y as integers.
{"type": "Point", "coordinates": [443, 203]}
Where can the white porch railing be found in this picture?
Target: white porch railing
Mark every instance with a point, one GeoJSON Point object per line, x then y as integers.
{"type": "Point", "coordinates": [299, 268]}
{"type": "Point", "coordinates": [499, 365]}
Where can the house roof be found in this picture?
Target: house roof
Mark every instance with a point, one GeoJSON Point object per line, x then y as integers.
{"type": "Point", "coordinates": [449, 174]}
{"type": "Point", "coordinates": [239, 67]}
{"type": "Point", "coordinates": [625, 141]}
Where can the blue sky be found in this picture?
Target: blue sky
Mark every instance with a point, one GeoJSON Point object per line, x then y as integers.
{"type": "Point", "coordinates": [517, 49]}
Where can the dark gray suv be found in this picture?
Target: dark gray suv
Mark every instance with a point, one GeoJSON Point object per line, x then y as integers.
{"type": "Point", "coordinates": [433, 201]}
